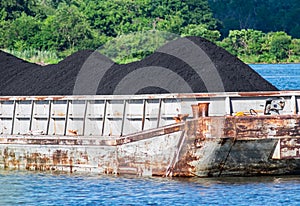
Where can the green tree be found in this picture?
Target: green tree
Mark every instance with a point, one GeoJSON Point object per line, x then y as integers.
{"type": "Point", "coordinates": [295, 47]}
{"type": "Point", "coordinates": [4, 26]}
{"type": "Point", "coordinates": [111, 18]}
{"type": "Point", "coordinates": [276, 47]}
{"type": "Point", "coordinates": [15, 8]}
{"type": "Point", "coordinates": [171, 23]}
{"type": "Point", "coordinates": [135, 46]}
{"type": "Point", "coordinates": [65, 30]}
{"type": "Point", "coordinates": [266, 16]}
{"type": "Point", "coordinates": [202, 31]}
{"type": "Point", "coordinates": [295, 50]}
{"type": "Point", "coordinates": [21, 32]}
{"type": "Point", "coordinates": [280, 45]}
{"type": "Point", "coordinates": [69, 25]}
{"type": "Point", "coordinates": [244, 42]}
{"type": "Point", "coordinates": [199, 13]}
{"type": "Point", "coordinates": [176, 14]}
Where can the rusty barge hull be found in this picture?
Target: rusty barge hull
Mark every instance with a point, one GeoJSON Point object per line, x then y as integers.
{"type": "Point", "coordinates": [152, 135]}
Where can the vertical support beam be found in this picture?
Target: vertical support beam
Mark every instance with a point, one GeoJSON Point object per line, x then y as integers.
{"type": "Point", "coordinates": [294, 104]}
{"type": "Point", "coordinates": [84, 117]}
{"type": "Point", "coordinates": [66, 118]}
{"type": "Point", "coordinates": [228, 106]}
{"type": "Point", "coordinates": [1, 113]}
{"type": "Point", "coordinates": [124, 117]}
{"type": "Point", "coordinates": [13, 118]}
{"type": "Point", "coordinates": [31, 115]}
{"type": "Point", "coordinates": [144, 114]}
{"type": "Point", "coordinates": [104, 117]}
{"type": "Point", "coordinates": [49, 117]}
{"type": "Point", "coordinates": [159, 113]}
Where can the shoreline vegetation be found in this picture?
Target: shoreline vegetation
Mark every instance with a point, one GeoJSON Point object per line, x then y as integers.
{"type": "Point", "coordinates": [270, 48]}
{"type": "Point", "coordinates": [286, 53]}
{"type": "Point", "coordinates": [46, 32]}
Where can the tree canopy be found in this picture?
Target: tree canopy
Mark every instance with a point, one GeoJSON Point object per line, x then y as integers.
{"type": "Point", "coordinates": [65, 26]}
{"type": "Point", "coordinates": [263, 15]}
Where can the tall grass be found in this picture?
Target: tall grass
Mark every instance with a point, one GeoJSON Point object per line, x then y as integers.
{"type": "Point", "coordinates": [36, 56]}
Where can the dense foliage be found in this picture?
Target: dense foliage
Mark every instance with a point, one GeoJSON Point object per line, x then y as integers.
{"type": "Point", "coordinates": [263, 15]}
{"type": "Point", "coordinates": [57, 28]}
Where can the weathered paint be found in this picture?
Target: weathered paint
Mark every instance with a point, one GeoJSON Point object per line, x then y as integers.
{"type": "Point", "coordinates": [287, 148]}
{"type": "Point", "coordinates": [157, 135]}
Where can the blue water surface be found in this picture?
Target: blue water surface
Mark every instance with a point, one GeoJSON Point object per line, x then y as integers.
{"type": "Point", "coordinates": [283, 76]}
{"type": "Point", "coordinates": [29, 188]}
{"type": "Point", "coordinates": [24, 188]}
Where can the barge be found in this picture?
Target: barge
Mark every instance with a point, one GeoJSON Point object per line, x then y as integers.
{"type": "Point", "coordinates": [203, 134]}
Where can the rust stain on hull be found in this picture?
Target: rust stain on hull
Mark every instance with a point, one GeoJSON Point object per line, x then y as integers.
{"type": "Point", "coordinates": [206, 146]}
{"type": "Point", "coordinates": [257, 94]}
{"type": "Point", "coordinates": [262, 126]}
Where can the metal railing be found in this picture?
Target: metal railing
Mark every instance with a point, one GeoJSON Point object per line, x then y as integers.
{"type": "Point", "coordinates": [121, 115]}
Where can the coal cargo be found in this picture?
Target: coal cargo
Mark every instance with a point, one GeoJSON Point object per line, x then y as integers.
{"type": "Point", "coordinates": [20, 78]}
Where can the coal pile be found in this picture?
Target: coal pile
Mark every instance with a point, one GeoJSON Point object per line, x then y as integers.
{"type": "Point", "coordinates": [190, 64]}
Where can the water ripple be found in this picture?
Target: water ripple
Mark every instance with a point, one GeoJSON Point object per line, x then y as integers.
{"type": "Point", "coordinates": [22, 188]}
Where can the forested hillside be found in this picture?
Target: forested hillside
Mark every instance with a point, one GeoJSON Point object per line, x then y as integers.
{"type": "Point", "coordinates": [263, 15]}
{"type": "Point", "coordinates": [49, 30]}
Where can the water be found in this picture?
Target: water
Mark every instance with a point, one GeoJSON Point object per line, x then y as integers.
{"type": "Point", "coordinates": [283, 76]}
{"type": "Point", "coordinates": [29, 188]}
{"type": "Point", "coordinates": [24, 188]}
